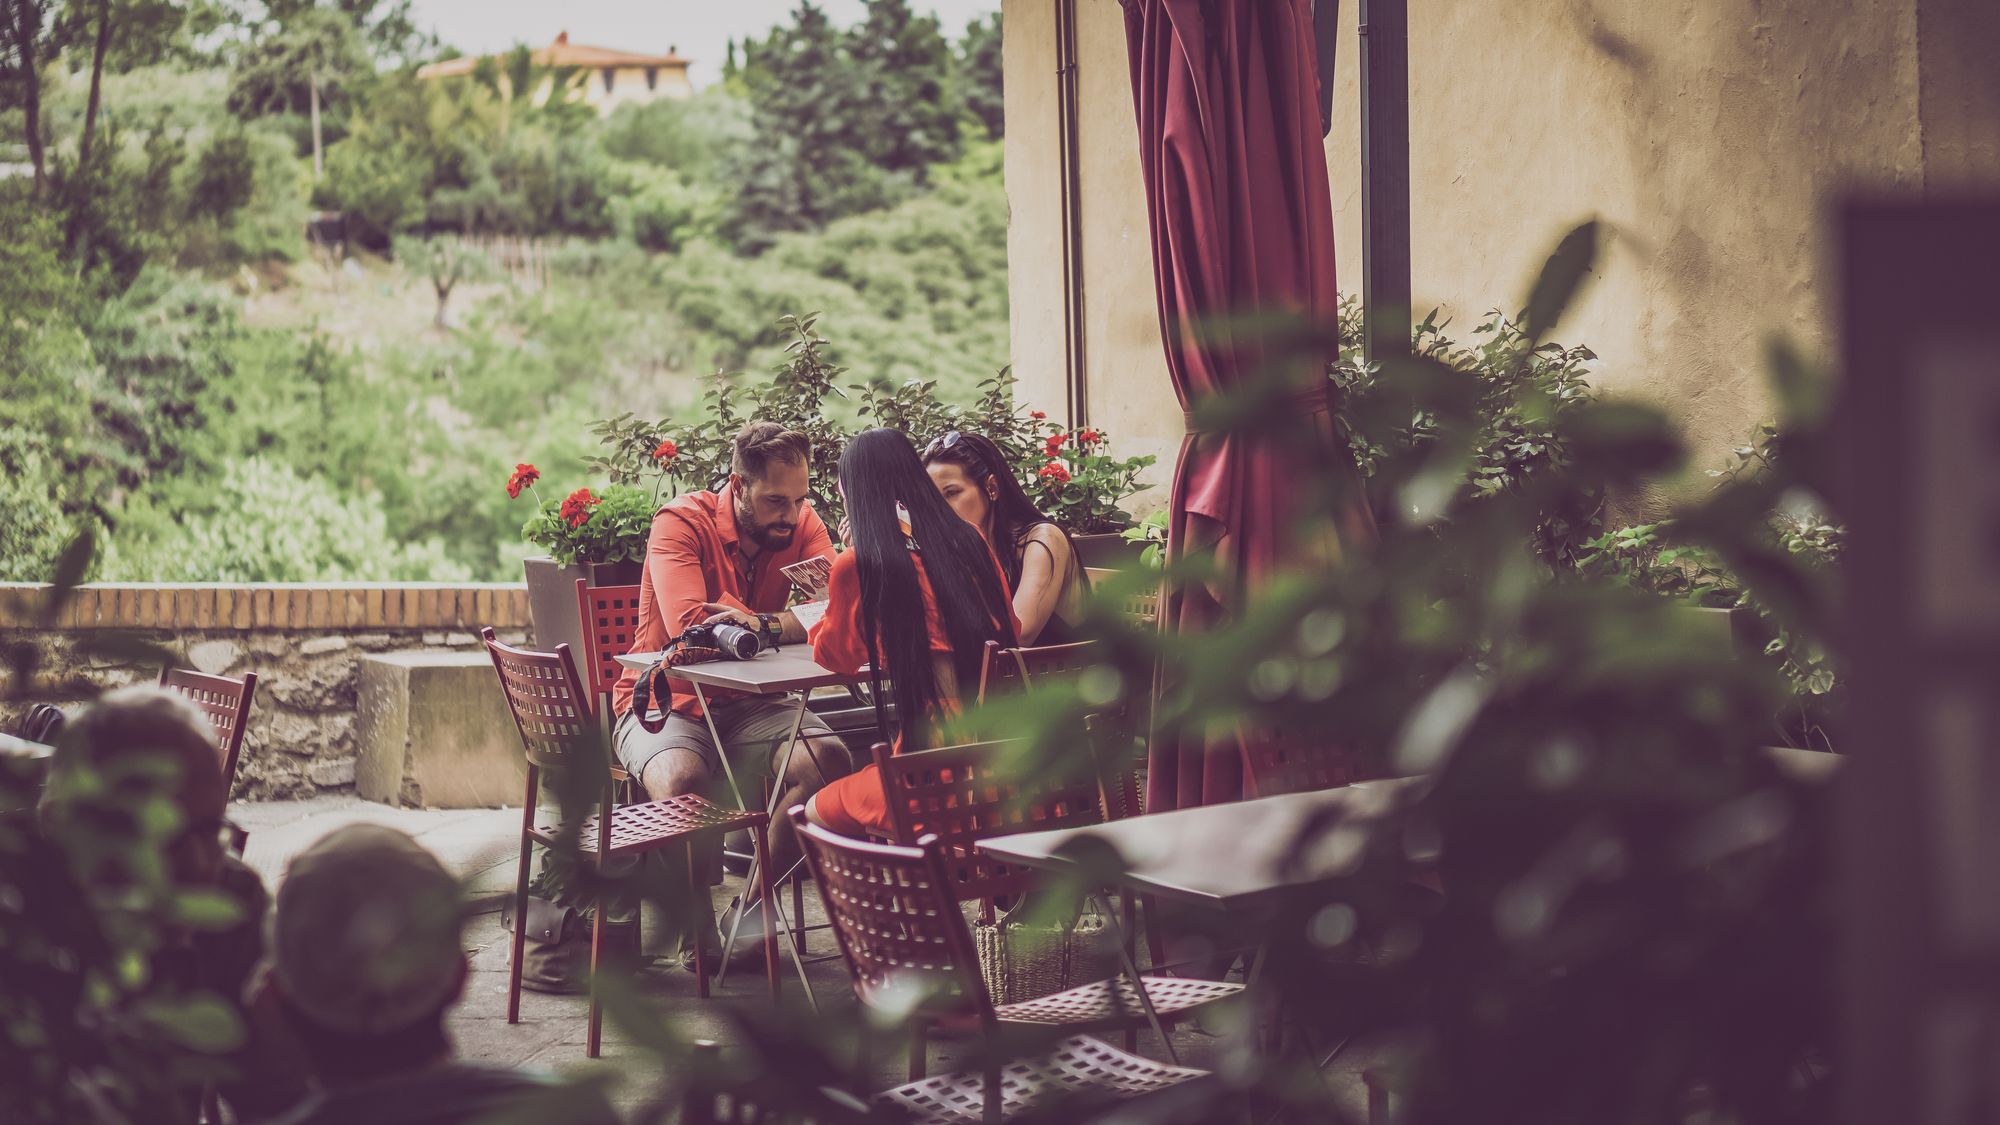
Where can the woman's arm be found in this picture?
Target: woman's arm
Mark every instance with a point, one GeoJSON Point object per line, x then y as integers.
{"type": "Point", "coordinates": [1045, 575]}
{"type": "Point", "coordinates": [837, 640]}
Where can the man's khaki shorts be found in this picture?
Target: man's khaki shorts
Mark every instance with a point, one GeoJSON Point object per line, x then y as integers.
{"type": "Point", "coordinates": [751, 726]}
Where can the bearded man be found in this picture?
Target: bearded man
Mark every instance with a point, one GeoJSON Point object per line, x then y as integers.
{"type": "Point", "coordinates": [719, 555]}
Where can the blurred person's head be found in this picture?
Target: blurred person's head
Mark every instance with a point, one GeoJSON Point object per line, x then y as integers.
{"type": "Point", "coordinates": [769, 465]}
{"type": "Point", "coordinates": [365, 952]}
{"type": "Point", "coordinates": [131, 746]}
{"type": "Point", "coordinates": [971, 473]}
{"type": "Point", "coordinates": [882, 480]}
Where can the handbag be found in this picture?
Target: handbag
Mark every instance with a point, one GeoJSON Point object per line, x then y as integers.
{"type": "Point", "coordinates": [1021, 959]}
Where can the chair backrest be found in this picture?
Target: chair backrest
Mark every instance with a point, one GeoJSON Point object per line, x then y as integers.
{"type": "Point", "coordinates": [1279, 760]}
{"type": "Point", "coordinates": [1027, 668]}
{"type": "Point", "coordinates": [610, 618]}
{"type": "Point", "coordinates": [611, 625]}
{"type": "Point", "coordinates": [225, 702]}
{"type": "Point", "coordinates": [959, 795]}
{"type": "Point", "coordinates": [547, 700]}
{"type": "Point", "coordinates": [898, 922]}
{"type": "Point", "coordinates": [1141, 608]}
{"type": "Point", "coordinates": [1121, 766]}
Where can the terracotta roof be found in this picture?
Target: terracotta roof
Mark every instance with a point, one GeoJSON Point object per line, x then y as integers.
{"type": "Point", "coordinates": [562, 53]}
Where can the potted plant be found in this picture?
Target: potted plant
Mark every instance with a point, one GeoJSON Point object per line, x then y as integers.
{"type": "Point", "coordinates": [599, 537]}
{"type": "Point", "coordinates": [1082, 487]}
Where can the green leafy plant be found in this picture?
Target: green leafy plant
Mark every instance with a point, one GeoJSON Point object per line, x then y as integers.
{"type": "Point", "coordinates": [1080, 484]}
{"type": "Point", "coordinates": [91, 1030]}
{"type": "Point", "coordinates": [1151, 532]}
{"type": "Point", "coordinates": [585, 527]}
{"type": "Point", "coordinates": [1672, 559]}
{"type": "Point", "coordinates": [1523, 388]}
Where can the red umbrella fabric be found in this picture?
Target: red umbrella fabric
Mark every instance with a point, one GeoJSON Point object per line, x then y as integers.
{"type": "Point", "coordinates": [1242, 231]}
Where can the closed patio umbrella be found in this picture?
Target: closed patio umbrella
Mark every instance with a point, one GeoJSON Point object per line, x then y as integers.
{"type": "Point", "coordinates": [1241, 221]}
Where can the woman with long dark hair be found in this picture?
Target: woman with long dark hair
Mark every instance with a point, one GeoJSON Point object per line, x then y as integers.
{"type": "Point", "coordinates": [917, 594]}
{"type": "Point", "coordinates": [1040, 562]}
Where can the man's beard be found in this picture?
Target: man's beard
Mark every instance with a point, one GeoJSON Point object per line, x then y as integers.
{"type": "Point", "coordinates": [769, 537]}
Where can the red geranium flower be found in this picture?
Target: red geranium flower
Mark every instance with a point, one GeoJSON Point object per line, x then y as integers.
{"type": "Point", "coordinates": [1088, 438]}
{"type": "Point", "coordinates": [1055, 443]}
{"type": "Point", "coordinates": [524, 475]}
{"type": "Point", "coordinates": [1038, 415]}
{"type": "Point", "coordinates": [576, 509]}
{"type": "Point", "coordinates": [666, 452]}
{"type": "Point", "coordinates": [1054, 475]}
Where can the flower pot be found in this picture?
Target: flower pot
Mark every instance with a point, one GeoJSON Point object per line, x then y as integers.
{"type": "Point", "coordinates": [1107, 550]}
{"type": "Point", "coordinates": [552, 597]}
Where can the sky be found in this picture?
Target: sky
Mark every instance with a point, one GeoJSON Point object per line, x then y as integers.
{"type": "Point", "coordinates": [701, 29]}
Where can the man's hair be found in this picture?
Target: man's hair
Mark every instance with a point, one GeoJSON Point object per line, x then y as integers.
{"type": "Point", "coordinates": [760, 443]}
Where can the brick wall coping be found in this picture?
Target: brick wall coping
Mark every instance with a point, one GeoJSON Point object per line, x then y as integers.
{"type": "Point", "coordinates": [323, 606]}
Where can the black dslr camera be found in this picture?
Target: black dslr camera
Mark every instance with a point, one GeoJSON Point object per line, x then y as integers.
{"type": "Point", "coordinates": [733, 641]}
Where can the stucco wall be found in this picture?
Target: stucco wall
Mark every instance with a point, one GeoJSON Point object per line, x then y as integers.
{"type": "Point", "coordinates": [1707, 133]}
{"type": "Point", "coordinates": [628, 86]}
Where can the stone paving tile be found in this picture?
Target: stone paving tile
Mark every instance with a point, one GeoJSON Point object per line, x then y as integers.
{"type": "Point", "coordinates": [470, 842]}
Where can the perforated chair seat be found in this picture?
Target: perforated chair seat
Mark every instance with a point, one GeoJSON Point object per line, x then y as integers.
{"type": "Point", "coordinates": [636, 828]}
{"type": "Point", "coordinates": [1080, 1068]}
{"type": "Point", "coordinates": [1115, 1001]}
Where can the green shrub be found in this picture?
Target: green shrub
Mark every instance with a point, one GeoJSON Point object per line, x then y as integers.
{"type": "Point", "coordinates": [658, 210]}
{"type": "Point", "coordinates": [259, 521]}
{"type": "Point", "coordinates": [380, 188]}
{"type": "Point", "coordinates": [35, 523]}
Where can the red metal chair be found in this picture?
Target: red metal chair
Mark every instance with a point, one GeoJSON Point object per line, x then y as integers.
{"type": "Point", "coordinates": [1026, 668]}
{"type": "Point", "coordinates": [967, 793]}
{"type": "Point", "coordinates": [225, 702]}
{"type": "Point", "coordinates": [1280, 760]}
{"type": "Point", "coordinates": [558, 728]}
{"type": "Point", "coordinates": [895, 912]}
{"type": "Point", "coordinates": [610, 619]}
{"type": "Point", "coordinates": [1120, 764]}
{"type": "Point", "coordinates": [959, 795]}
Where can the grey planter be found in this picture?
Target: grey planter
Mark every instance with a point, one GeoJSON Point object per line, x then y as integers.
{"type": "Point", "coordinates": [552, 597]}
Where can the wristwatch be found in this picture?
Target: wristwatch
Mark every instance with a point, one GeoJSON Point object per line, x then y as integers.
{"type": "Point", "coordinates": [768, 629]}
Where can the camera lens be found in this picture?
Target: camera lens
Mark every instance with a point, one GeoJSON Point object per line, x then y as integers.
{"type": "Point", "coordinates": [736, 642]}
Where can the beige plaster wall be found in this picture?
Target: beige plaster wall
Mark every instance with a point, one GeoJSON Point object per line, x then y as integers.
{"type": "Point", "coordinates": [1708, 133]}
{"type": "Point", "coordinates": [1128, 391]}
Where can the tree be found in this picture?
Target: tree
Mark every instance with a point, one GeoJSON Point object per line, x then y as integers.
{"type": "Point", "coordinates": [808, 164]}
{"type": "Point", "coordinates": [142, 28]}
{"type": "Point", "coordinates": [28, 39]}
{"type": "Point", "coordinates": [446, 262]}
{"type": "Point", "coordinates": [907, 99]}
{"type": "Point", "coordinates": [123, 33]}
{"type": "Point", "coordinates": [295, 66]}
{"type": "Point", "coordinates": [979, 75]}
{"type": "Point", "coordinates": [388, 31]}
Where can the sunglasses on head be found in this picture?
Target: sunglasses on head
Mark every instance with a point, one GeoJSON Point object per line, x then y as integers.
{"type": "Point", "coordinates": [948, 440]}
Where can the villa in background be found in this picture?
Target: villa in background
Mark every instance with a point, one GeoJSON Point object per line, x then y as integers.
{"type": "Point", "coordinates": [609, 78]}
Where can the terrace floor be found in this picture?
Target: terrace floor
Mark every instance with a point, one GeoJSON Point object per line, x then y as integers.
{"type": "Point", "coordinates": [479, 846]}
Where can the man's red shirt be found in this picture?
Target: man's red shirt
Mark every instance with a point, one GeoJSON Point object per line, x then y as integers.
{"type": "Point", "coordinates": [692, 558]}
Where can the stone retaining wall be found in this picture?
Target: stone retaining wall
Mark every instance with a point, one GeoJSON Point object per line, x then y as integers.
{"type": "Point", "coordinates": [304, 641]}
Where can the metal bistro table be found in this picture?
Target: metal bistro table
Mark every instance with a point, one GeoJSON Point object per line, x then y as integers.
{"type": "Point", "coordinates": [1241, 856]}
{"type": "Point", "coordinates": [787, 670]}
